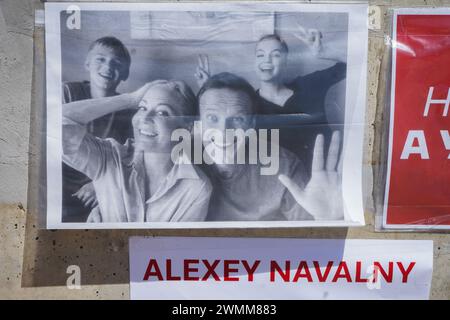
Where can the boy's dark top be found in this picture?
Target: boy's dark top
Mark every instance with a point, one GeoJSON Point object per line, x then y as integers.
{"type": "Point", "coordinates": [115, 125]}
{"type": "Point", "coordinates": [296, 134]}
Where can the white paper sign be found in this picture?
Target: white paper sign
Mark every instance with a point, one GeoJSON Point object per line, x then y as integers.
{"type": "Point", "coordinates": [269, 167]}
{"type": "Point", "coordinates": [262, 268]}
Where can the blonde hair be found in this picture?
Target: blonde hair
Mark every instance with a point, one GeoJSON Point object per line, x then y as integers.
{"type": "Point", "coordinates": [184, 91]}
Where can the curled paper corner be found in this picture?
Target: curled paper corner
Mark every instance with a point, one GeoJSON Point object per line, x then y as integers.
{"type": "Point", "coordinates": [374, 15]}
{"type": "Point", "coordinates": [388, 40]}
{"type": "Point", "coordinates": [39, 17]}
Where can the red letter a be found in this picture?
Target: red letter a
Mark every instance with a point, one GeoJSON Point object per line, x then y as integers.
{"type": "Point", "coordinates": [153, 264]}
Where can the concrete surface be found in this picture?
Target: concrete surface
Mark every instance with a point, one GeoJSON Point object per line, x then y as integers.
{"type": "Point", "coordinates": [33, 262]}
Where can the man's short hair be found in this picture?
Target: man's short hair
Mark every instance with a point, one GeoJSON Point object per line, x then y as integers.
{"type": "Point", "coordinates": [119, 49]}
{"type": "Point", "coordinates": [227, 80]}
{"type": "Point", "coordinates": [276, 37]}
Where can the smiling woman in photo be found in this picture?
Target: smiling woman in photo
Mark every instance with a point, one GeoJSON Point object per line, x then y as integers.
{"type": "Point", "coordinates": [303, 95]}
{"type": "Point", "coordinates": [295, 107]}
{"type": "Point", "coordinates": [138, 181]}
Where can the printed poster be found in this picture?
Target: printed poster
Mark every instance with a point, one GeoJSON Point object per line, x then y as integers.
{"type": "Point", "coordinates": [174, 115]}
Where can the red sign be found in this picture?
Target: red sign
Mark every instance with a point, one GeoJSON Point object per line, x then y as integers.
{"type": "Point", "coordinates": [418, 181]}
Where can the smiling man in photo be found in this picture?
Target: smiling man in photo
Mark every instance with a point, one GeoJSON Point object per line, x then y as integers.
{"type": "Point", "coordinates": [241, 192]}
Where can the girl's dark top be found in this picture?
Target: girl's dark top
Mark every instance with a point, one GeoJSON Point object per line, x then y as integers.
{"type": "Point", "coordinates": [309, 92]}
{"type": "Point", "coordinates": [115, 125]}
{"type": "Point", "coordinates": [296, 133]}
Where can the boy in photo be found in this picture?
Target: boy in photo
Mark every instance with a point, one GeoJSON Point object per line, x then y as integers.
{"type": "Point", "coordinates": [108, 64]}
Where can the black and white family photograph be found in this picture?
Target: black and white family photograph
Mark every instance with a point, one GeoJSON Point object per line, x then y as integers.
{"type": "Point", "coordinates": [219, 115]}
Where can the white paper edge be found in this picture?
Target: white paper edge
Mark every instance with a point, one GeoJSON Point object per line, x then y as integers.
{"type": "Point", "coordinates": [353, 200]}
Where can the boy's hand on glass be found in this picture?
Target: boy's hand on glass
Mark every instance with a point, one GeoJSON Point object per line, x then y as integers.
{"type": "Point", "coordinates": [86, 195]}
{"type": "Point", "coordinates": [202, 73]}
{"type": "Point", "coordinates": [322, 196]}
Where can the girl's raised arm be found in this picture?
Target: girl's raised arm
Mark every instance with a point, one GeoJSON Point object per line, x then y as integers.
{"type": "Point", "coordinates": [312, 38]}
